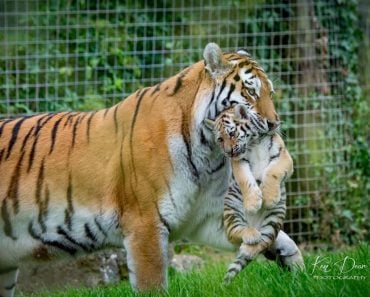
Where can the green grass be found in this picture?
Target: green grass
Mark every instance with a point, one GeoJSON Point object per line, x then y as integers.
{"type": "Point", "coordinates": [261, 278]}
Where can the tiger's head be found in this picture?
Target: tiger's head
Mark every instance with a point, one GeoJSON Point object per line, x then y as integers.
{"type": "Point", "coordinates": [239, 79]}
{"type": "Point", "coordinates": [238, 128]}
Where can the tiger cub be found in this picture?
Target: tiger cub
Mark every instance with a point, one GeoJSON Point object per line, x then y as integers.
{"type": "Point", "coordinates": [255, 205]}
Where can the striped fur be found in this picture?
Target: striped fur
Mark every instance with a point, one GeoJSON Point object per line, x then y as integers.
{"type": "Point", "coordinates": [261, 164]}
{"type": "Point", "coordinates": [138, 174]}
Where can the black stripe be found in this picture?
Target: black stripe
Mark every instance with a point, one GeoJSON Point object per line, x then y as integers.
{"type": "Point", "coordinates": [211, 107]}
{"type": "Point", "coordinates": [38, 195]}
{"type": "Point", "coordinates": [69, 210]}
{"type": "Point", "coordinates": [14, 136]}
{"type": "Point", "coordinates": [70, 117]}
{"type": "Point", "coordinates": [89, 233]}
{"type": "Point", "coordinates": [186, 137]}
{"type": "Point", "coordinates": [89, 125]}
{"type": "Point", "coordinates": [54, 134]}
{"type": "Point", "coordinates": [271, 143]}
{"type": "Point", "coordinates": [178, 83]}
{"type": "Point", "coordinates": [101, 229]}
{"type": "Point", "coordinates": [60, 245]}
{"type": "Point", "coordinates": [74, 131]}
{"type": "Point", "coordinates": [134, 118]}
{"type": "Point", "coordinates": [115, 118]}
{"type": "Point", "coordinates": [231, 90]}
{"type": "Point", "coordinates": [273, 157]}
{"type": "Point", "coordinates": [220, 166]}
{"type": "Point", "coordinates": [36, 134]}
{"type": "Point", "coordinates": [2, 154]}
{"type": "Point", "coordinates": [8, 229]}
{"type": "Point", "coordinates": [242, 64]}
{"type": "Point", "coordinates": [14, 184]}
{"type": "Point", "coordinates": [249, 70]}
{"type": "Point", "coordinates": [221, 89]}
{"type": "Point", "coordinates": [3, 124]}
{"type": "Point", "coordinates": [44, 209]}
{"type": "Point", "coordinates": [203, 139]}
{"type": "Point", "coordinates": [163, 220]}
{"type": "Point", "coordinates": [32, 153]}
{"type": "Point", "coordinates": [67, 236]}
{"type": "Point", "coordinates": [26, 139]}
{"type": "Point", "coordinates": [270, 236]}
{"type": "Point", "coordinates": [156, 89]}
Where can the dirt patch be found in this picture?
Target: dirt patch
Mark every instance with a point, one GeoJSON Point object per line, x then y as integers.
{"type": "Point", "coordinates": [101, 268]}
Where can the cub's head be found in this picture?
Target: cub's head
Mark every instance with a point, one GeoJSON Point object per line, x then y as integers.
{"type": "Point", "coordinates": [239, 79]}
{"type": "Point", "coordinates": [237, 128]}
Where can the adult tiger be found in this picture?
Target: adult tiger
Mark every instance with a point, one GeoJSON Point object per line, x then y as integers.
{"type": "Point", "coordinates": [143, 172]}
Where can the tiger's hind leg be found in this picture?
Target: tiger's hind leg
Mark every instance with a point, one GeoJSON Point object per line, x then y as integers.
{"type": "Point", "coordinates": [286, 252]}
{"type": "Point", "coordinates": [8, 280]}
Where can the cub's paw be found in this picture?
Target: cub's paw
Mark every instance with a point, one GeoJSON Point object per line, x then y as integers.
{"type": "Point", "coordinates": [249, 251]}
{"type": "Point", "coordinates": [253, 201]}
{"type": "Point", "coordinates": [251, 236]}
{"type": "Point", "coordinates": [271, 195]}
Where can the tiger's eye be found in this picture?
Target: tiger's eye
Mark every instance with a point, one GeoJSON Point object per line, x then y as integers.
{"type": "Point", "coordinates": [252, 92]}
{"type": "Point", "coordinates": [220, 139]}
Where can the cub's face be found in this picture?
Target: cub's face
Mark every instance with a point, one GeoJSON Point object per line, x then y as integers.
{"type": "Point", "coordinates": [237, 128]}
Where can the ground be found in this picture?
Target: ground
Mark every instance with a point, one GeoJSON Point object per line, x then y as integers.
{"type": "Point", "coordinates": [343, 273]}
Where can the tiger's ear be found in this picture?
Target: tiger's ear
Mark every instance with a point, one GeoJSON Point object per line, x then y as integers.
{"type": "Point", "coordinates": [214, 61]}
{"type": "Point", "coordinates": [241, 111]}
{"type": "Point", "coordinates": [209, 124]}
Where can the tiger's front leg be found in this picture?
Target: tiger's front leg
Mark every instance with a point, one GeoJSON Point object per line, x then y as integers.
{"type": "Point", "coordinates": [8, 280]}
{"type": "Point", "coordinates": [146, 244]}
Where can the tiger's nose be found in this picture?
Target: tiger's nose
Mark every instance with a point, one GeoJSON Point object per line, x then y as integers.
{"type": "Point", "coordinates": [272, 125]}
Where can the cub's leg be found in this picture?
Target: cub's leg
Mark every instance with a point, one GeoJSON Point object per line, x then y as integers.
{"type": "Point", "coordinates": [275, 174]}
{"type": "Point", "coordinates": [8, 280]}
{"type": "Point", "coordinates": [147, 256]}
{"type": "Point", "coordinates": [286, 252]}
{"type": "Point", "coordinates": [252, 195]}
{"type": "Point", "coordinates": [235, 223]}
{"type": "Point", "coordinates": [246, 254]}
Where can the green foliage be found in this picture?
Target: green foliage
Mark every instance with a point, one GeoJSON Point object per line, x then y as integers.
{"type": "Point", "coordinates": [346, 220]}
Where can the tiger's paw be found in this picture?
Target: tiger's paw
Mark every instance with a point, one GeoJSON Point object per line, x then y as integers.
{"type": "Point", "coordinates": [229, 277]}
{"type": "Point", "coordinates": [271, 195]}
{"type": "Point", "coordinates": [251, 236]}
{"type": "Point", "coordinates": [253, 201]}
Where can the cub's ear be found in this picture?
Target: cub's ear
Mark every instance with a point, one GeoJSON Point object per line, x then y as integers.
{"type": "Point", "coordinates": [209, 124]}
{"type": "Point", "coordinates": [214, 61]}
{"type": "Point", "coordinates": [241, 111]}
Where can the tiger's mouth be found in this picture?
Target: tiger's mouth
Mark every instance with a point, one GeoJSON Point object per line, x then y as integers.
{"type": "Point", "coordinates": [236, 153]}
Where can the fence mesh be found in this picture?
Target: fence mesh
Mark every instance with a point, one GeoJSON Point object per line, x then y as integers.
{"type": "Point", "coordinates": [88, 54]}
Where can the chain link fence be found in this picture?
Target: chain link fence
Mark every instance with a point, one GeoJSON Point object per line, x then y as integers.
{"type": "Point", "coordinates": [89, 54]}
